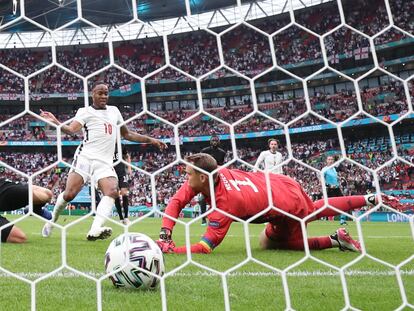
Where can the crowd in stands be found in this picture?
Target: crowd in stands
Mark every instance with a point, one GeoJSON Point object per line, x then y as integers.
{"type": "Point", "coordinates": [402, 14]}
{"type": "Point", "coordinates": [381, 101]}
{"type": "Point", "coordinates": [362, 15]}
{"type": "Point", "coordinates": [244, 49]}
{"type": "Point", "coordinates": [390, 35]}
{"type": "Point", "coordinates": [21, 129]}
{"type": "Point", "coordinates": [337, 107]}
{"type": "Point", "coordinates": [398, 176]}
{"type": "Point", "coordinates": [140, 56]}
{"type": "Point", "coordinates": [152, 161]}
{"type": "Point", "coordinates": [385, 100]}
{"type": "Point", "coordinates": [284, 110]}
{"type": "Point", "coordinates": [195, 52]}
{"type": "Point", "coordinates": [28, 162]}
{"type": "Point", "coordinates": [83, 60]}
{"type": "Point", "coordinates": [311, 151]}
{"type": "Point", "coordinates": [369, 152]}
{"type": "Point", "coordinates": [25, 61]}
{"type": "Point", "coordinates": [294, 45]}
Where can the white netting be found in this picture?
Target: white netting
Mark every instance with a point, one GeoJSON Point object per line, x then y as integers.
{"type": "Point", "coordinates": [273, 58]}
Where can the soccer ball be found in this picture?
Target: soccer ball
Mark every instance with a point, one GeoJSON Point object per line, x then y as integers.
{"type": "Point", "coordinates": [137, 255]}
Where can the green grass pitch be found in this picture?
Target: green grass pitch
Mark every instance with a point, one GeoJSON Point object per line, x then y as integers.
{"type": "Point", "coordinates": [311, 285]}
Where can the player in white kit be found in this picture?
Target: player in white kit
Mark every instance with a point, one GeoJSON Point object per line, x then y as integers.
{"type": "Point", "coordinates": [270, 158]}
{"type": "Point", "coordinates": [94, 157]}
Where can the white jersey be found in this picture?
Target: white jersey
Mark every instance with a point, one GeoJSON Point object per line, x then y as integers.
{"type": "Point", "coordinates": [99, 131]}
{"type": "Point", "coordinates": [270, 161]}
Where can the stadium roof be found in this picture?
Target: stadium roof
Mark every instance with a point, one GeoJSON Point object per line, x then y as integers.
{"type": "Point", "coordinates": [163, 17]}
{"type": "Point", "coordinates": [54, 13]}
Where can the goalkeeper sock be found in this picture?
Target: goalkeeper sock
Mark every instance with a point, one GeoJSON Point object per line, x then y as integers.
{"type": "Point", "coordinates": [59, 207]}
{"type": "Point", "coordinates": [103, 210]}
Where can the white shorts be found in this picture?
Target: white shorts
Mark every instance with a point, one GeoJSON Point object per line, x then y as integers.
{"type": "Point", "coordinates": [96, 168]}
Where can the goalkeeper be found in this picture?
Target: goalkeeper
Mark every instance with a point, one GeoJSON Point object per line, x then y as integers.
{"type": "Point", "coordinates": [244, 195]}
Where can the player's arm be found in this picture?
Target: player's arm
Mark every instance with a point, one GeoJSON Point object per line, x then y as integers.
{"type": "Point", "coordinates": [216, 231]}
{"type": "Point", "coordinates": [138, 138]}
{"type": "Point", "coordinates": [259, 161]}
{"type": "Point", "coordinates": [74, 127]}
{"type": "Point", "coordinates": [182, 197]}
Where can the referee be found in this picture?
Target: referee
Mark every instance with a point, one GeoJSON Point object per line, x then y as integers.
{"type": "Point", "coordinates": [219, 155]}
{"type": "Point", "coordinates": [333, 184]}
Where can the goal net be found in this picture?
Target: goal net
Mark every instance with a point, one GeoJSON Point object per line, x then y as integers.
{"type": "Point", "coordinates": [325, 79]}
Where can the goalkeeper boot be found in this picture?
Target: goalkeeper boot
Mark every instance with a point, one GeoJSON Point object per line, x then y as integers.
{"type": "Point", "coordinates": [99, 234]}
{"type": "Point", "coordinates": [345, 241]}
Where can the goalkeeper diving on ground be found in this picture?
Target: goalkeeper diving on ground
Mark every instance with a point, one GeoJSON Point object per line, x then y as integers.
{"type": "Point", "coordinates": [244, 195]}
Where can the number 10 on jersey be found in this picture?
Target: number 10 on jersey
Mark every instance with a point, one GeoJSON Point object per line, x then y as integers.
{"type": "Point", "coordinates": [108, 128]}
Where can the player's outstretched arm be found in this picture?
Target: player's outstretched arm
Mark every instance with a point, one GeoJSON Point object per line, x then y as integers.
{"type": "Point", "coordinates": [217, 229]}
{"type": "Point", "coordinates": [70, 129]}
{"type": "Point", "coordinates": [138, 138]}
{"type": "Point", "coordinates": [168, 246]}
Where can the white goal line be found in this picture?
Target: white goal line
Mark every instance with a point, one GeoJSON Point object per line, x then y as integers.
{"type": "Point", "coordinates": [316, 273]}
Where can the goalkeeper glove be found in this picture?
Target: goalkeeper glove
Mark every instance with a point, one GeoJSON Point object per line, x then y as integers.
{"type": "Point", "coordinates": [165, 235]}
{"type": "Point", "coordinates": [166, 246]}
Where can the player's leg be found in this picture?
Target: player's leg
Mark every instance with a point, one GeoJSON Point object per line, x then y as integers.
{"type": "Point", "coordinates": [119, 170]}
{"type": "Point", "coordinates": [109, 188]}
{"type": "Point", "coordinates": [203, 209]}
{"type": "Point", "coordinates": [265, 239]}
{"type": "Point", "coordinates": [288, 235]}
{"type": "Point", "coordinates": [119, 208]}
{"type": "Point", "coordinates": [350, 203]}
{"type": "Point", "coordinates": [345, 204]}
{"type": "Point", "coordinates": [125, 203]}
{"type": "Point", "coordinates": [41, 196]}
{"type": "Point", "coordinates": [273, 235]}
{"type": "Point", "coordinates": [11, 233]}
{"type": "Point", "coordinates": [74, 185]}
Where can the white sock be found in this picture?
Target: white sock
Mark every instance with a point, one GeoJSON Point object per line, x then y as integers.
{"type": "Point", "coordinates": [334, 242]}
{"type": "Point", "coordinates": [104, 209]}
{"type": "Point", "coordinates": [370, 199]}
{"type": "Point", "coordinates": [59, 207]}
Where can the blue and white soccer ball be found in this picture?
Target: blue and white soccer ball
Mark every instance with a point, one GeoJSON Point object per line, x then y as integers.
{"type": "Point", "coordinates": [137, 255]}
